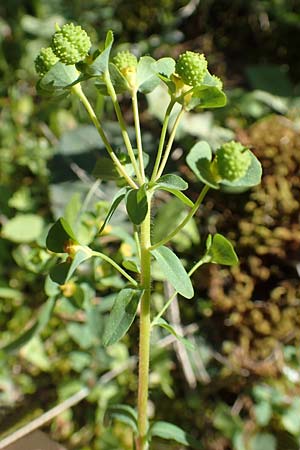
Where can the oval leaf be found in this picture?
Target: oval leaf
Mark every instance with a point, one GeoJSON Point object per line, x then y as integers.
{"type": "Point", "coordinates": [166, 430]}
{"type": "Point", "coordinates": [59, 234]}
{"type": "Point", "coordinates": [199, 159]}
{"type": "Point", "coordinates": [171, 181]}
{"type": "Point", "coordinates": [137, 205]}
{"type": "Point", "coordinates": [59, 77]}
{"type": "Point", "coordinates": [221, 251]}
{"type": "Point", "coordinates": [174, 271]}
{"type": "Point", "coordinates": [122, 315]}
{"type": "Point", "coordinates": [23, 228]}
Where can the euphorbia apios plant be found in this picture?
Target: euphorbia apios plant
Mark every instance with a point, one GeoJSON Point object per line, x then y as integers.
{"type": "Point", "coordinates": [64, 67]}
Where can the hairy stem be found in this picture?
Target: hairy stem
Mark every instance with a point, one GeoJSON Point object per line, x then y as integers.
{"type": "Point", "coordinates": [162, 139]}
{"type": "Point", "coordinates": [185, 220]}
{"type": "Point", "coordinates": [170, 143]}
{"type": "Point", "coordinates": [145, 329]}
{"type": "Point", "coordinates": [76, 89]}
{"type": "Point", "coordinates": [113, 95]}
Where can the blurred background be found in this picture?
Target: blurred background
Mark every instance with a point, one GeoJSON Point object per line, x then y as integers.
{"type": "Point", "coordinates": [240, 388]}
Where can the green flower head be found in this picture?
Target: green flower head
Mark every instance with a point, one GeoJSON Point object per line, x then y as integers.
{"type": "Point", "coordinates": [71, 44]}
{"type": "Point", "coordinates": [45, 60]}
{"type": "Point", "coordinates": [232, 161]}
{"type": "Point", "coordinates": [191, 67]}
{"type": "Point", "coordinates": [126, 62]}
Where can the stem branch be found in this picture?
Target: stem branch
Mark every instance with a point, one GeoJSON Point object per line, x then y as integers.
{"type": "Point", "coordinates": [162, 139]}
{"type": "Point", "coordinates": [184, 221]}
{"type": "Point", "coordinates": [76, 89]}
{"type": "Point", "coordinates": [116, 266]}
{"type": "Point", "coordinates": [113, 95]}
{"type": "Point", "coordinates": [170, 143]}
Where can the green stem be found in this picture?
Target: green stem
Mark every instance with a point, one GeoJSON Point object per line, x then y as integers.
{"type": "Point", "coordinates": [145, 330]}
{"type": "Point", "coordinates": [185, 220]}
{"type": "Point", "coordinates": [113, 95]}
{"type": "Point", "coordinates": [170, 143]}
{"type": "Point", "coordinates": [162, 139]}
{"type": "Point", "coordinates": [139, 144]}
{"type": "Point", "coordinates": [115, 265]}
{"type": "Point", "coordinates": [76, 89]}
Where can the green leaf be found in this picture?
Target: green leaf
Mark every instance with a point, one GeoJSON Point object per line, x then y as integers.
{"type": "Point", "coordinates": [59, 77]}
{"type": "Point", "coordinates": [121, 316]}
{"type": "Point", "coordinates": [174, 271]}
{"type": "Point", "coordinates": [171, 181]}
{"type": "Point", "coordinates": [291, 418]}
{"type": "Point", "coordinates": [58, 236]}
{"type": "Point", "coordinates": [100, 64]}
{"type": "Point", "coordinates": [105, 169]}
{"type": "Point", "coordinates": [165, 66]}
{"type": "Point", "coordinates": [263, 413]}
{"type": "Point", "coordinates": [166, 430]}
{"type": "Point", "coordinates": [61, 273]}
{"type": "Point", "coordinates": [23, 228]}
{"type": "Point", "coordinates": [132, 265]}
{"type": "Point", "coordinates": [252, 178]}
{"type": "Point", "coordinates": [146, 75]}
{"type": "Point", "coordinates": [263, 441]}
{"type": "Point", "coordinates": [221, 251]}
{"type": "Point", "coordinates": [164, 324]}
{"type": "Point", "coordinates": [210, 97]}
{"type": "Point", "coordinates": [124, 413]}
{"type": "Point", "coordinates": [199, 161]}
{"type": "Point", "coordinates": [137, 204]}
{"type": "Point", "coordinates": [37, 327]}
{"type": "Point", "coordinates": [114, 205]}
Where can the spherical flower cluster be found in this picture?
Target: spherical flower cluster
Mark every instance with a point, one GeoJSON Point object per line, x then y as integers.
{"type": "Point", "coordinates": [191, 67]}
{"type": "Point", "coordinates": [233, 161]}
{"type": "Point", "coordinates": [45, 60]}
{"type": "Point", "coordinates": [71, 44]}
{"type": "Point", "coordinates": [124, 60]}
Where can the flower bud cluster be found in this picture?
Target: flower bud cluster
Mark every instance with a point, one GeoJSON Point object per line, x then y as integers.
{"type": "Point", "coordinates": [232, 161]}
{"type": "Point", "coordinates": [71, 44]}
{"type": "Point", "coordinates": [191, 67]}
{"type": "Point", "coordinates": [45, 60]}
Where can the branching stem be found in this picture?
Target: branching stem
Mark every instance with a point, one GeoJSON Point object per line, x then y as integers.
{"type": "Point", "coordinates": [113, 96]}
{"type": "Point", "coordinates": [76, 89]}
{"type": "Point", "coordinates": [184, 221]}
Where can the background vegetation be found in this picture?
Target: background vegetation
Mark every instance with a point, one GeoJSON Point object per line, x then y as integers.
{"type": "Point", "coordinates": [241, 388]}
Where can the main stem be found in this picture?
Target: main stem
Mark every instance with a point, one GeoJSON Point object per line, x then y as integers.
{"type": "Point", "coordinates": [145, 329]}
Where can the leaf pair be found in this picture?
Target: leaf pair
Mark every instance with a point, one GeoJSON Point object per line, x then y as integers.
{"type": "Point", "coordinates": [164, 430]}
